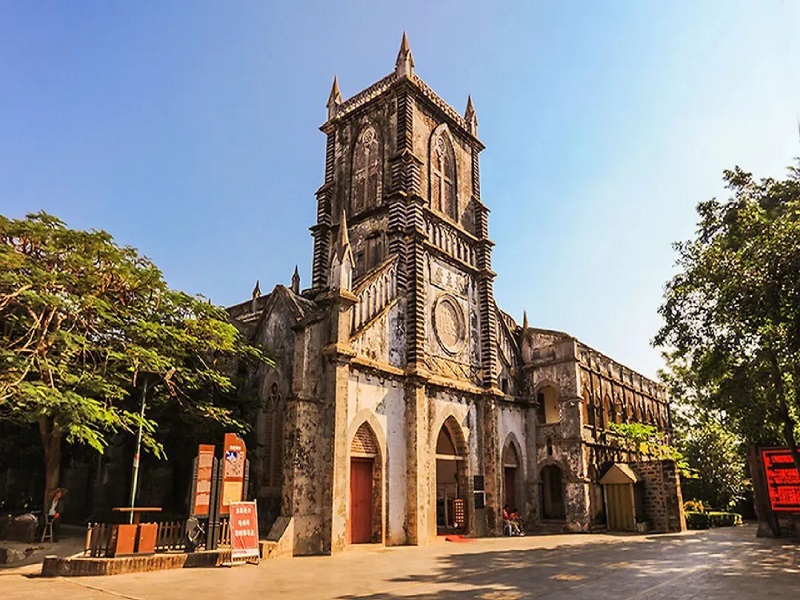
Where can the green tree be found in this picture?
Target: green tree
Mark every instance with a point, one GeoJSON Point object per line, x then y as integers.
{"type": "Point", "coordinates": [732, 313]}
{"type": "Point", "coordinates": [649, 441]}
{"type": "Point", "coordinates": [716, 457]}
{"type": "Point", "coordinates": [82, 319]}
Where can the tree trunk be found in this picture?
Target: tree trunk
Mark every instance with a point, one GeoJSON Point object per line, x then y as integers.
{"type": "Point", "coordinates": [788, 435]}
{"type": "Point", "coordinates": [787, 422]}
{"type": "Point", "coordinates": [51, 442]}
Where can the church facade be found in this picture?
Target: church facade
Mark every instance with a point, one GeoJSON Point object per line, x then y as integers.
{"type": "Point", "coordinates": [405, 403]}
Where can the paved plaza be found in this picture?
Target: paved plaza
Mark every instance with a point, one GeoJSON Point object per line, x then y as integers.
{"type": "Point", "coordinates": [722, 563]}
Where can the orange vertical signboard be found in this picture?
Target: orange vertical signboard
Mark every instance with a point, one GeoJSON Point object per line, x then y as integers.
{"type": "Point", "coordinates": [202, 484]}
{"type": "Point", "coordinates": [233, 461]}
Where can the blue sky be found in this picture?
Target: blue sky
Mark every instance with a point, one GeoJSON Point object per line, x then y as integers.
{"type": "Point", "coordinates": [189, 130]}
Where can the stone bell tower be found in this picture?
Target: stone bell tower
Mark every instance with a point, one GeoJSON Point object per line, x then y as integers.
{"type": "Point", "coordinates": [403, 166]}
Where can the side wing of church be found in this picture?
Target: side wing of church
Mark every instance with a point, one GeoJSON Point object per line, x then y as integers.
{"type": "Point", "coordinates": [405, 403]}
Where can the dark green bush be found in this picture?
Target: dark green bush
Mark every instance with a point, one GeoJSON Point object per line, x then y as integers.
{"type": "Point", "coordinates": [697, 520]}
{"type": "Point", "coordinates": [724, 519]}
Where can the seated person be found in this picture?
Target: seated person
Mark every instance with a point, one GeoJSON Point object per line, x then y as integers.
{"type": "Point", "coordinates": [516, 521]}
{"type": "Point", "coordinates": [53, 511]}
{"type": "Point", "coordinates": [510, 527]}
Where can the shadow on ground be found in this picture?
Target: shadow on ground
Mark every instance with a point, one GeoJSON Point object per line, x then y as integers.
{"type": "Point", "coordinates": [614, 569]}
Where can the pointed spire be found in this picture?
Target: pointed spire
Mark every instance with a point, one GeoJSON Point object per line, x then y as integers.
{"type": "Point", "coordinates": [524, 321]}
{"type": "Point", "coordinates": [342, 263]}
{"type": "Point", "coordinates": [471, 117]}
{"type": "Point", "coordinates": [344, 239]}
{"type": "Point", "coordinates": [404, 67]}
{"type": "Point", "coordinates": [296, 281]}
{"type": "Point", "coordinates": [335, 99]}
{"type": "Point", "coordinates": [254, 299]}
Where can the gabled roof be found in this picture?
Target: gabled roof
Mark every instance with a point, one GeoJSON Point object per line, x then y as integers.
{"type": "Point", "coordinates": [281, 296]}
{"type": "Point", "coordinates": [619, 473]}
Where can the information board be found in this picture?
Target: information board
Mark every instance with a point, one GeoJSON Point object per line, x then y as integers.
{"type": "Point", "coordinates": [202, 485]}
{"type": "Point", "coordinates": [233, 462]}
{"type": "Point", "coordinates": [783, 480]}
{"type": "Point", "coordinates": [244, 530]}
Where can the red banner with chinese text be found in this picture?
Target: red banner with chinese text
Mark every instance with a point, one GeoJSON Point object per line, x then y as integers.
{"type": "Point", "coordinates": [244, 530]}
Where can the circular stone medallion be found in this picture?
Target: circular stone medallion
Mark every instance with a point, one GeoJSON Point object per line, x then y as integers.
{"type": "Point", "coordinates": [449, 324]}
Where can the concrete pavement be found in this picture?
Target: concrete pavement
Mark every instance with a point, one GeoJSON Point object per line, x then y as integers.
{"type": "Point", "coordinates": [728, 564]}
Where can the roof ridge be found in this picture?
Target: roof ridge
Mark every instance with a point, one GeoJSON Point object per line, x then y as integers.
{"type": "Point", "coordinates": [386, 82]}
{"type": "Point", "coordinates": [373, 274]}
{"type": "Point", "coordinates": [366, 94]}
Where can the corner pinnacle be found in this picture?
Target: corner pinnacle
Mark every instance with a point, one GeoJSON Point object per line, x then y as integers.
{"type": "Point", "coordinates": [404, 66]}
{"type": "Point", "coordinates": [335, 98]}
{"type": "Point", "coordinates": [470, 117]}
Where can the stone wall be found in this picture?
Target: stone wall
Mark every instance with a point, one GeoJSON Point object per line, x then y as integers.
{"type": "Point", "coordinates": [663, 503]}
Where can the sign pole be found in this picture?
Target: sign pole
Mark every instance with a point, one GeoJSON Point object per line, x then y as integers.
{"type": "Point", "coordinates": [135, 477]}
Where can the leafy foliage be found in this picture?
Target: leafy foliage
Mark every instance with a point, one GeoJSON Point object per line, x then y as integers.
{"type": "Point", "coordinates": [724, 519]}
{"type": "Point", "coordinates": [694, 506]}
{"type": "Point", "coordinates": [705, 520]}
{"type": "Point", "coordinates": [732, 313]}
{"type": "Point", "coordinates": [83, 319]}
{"type": "Point", "coordinates": [697, 520]}
{"type": "Point", "coordinates": [649, 441]}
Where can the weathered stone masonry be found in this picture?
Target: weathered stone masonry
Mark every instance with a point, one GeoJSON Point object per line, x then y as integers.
{"type": "Point", "coordinates": [405, 403]}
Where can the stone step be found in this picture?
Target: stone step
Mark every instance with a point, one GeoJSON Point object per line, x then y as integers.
{"type": "Point", "coordinates": [546, 528]}
{"type": "Point", "coordinates": [268, 549]}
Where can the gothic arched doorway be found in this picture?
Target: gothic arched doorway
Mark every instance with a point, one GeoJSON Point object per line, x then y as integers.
{"type": "Point", "coordinates": [451, 478]}
{"type": "Point", "coordinates": [597, 507]}
{"type": "Point", "coordinates": [364, 522]}
{"type": "Point", "coordinates": [552, 493]}
{"type": "Point", "coordinates": [510, 475]}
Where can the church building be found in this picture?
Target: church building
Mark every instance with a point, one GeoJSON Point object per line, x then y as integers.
{"type": "Point", "coordinates": [405, 403]}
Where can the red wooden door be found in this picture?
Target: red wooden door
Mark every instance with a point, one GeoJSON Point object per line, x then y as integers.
{"type": "Point", "coordinates": [360, 501]}
{"type": "Point", "coordinates": [510, 485]}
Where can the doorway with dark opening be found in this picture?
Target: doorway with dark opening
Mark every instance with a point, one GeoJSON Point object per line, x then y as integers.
{"type": "Point", "coordinates": [451, 510]}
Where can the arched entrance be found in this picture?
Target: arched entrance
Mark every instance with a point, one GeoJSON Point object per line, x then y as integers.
{"type": "Point", "coordinates": [364, 522]}
{"type": "Point", "coordinates": [552, 493]}
{"type": "Point", "coordinates": [596, 500]}
{"type": "Point", "coordinates": [510, 475]}
{"type": "Point", "coordinates": [451, 478]}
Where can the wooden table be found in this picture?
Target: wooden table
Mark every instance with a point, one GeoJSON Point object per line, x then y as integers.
{"type": "Point", "coordinates": [136, 512]}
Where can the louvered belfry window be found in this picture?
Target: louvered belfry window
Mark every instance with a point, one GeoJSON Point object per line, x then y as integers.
{"type": "Point", "coordinates": [366, 171]}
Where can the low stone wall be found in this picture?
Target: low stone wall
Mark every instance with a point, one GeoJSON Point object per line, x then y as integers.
{"type": "Point", "coordinates": [53, 566]}
{"type": "Point", "coordinates": [663, 502]}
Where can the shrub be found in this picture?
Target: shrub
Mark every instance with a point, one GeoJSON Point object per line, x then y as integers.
{"type": "Point", "coordinates": [694, 506]}
{"type": "Point", "coordinates": [724, 519]}
{"type": "Point", "coordinates": [697, 520]}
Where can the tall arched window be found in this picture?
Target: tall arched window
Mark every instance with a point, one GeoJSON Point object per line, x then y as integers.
{"type": "Point", "coordinates": [443, 177]}
{"type": "Point", "coordinates": [588, 408]}
{"type": "Point", "coordinates": [273, 438]}
{"type": "Point", "coordinates": [608, 408]}
{"type": "Point", "coordinates": [366, 171]}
